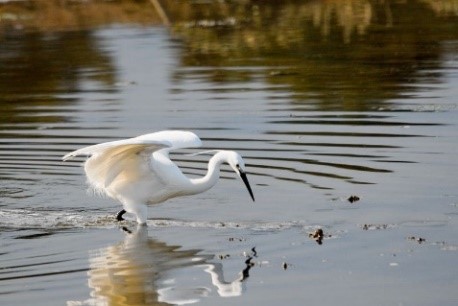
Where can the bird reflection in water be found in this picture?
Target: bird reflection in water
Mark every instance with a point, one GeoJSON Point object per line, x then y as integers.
{"type": "Point", "coordinates": [137, 271]}
{"type": "Point", "coordinates": [229, 289]}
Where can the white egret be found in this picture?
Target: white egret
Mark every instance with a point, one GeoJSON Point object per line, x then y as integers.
{"type": "Point", "coordinates": [138, 171]}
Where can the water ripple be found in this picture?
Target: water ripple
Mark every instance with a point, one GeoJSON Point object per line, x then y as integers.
{"type": "Point", "coordinates": [49, 222]}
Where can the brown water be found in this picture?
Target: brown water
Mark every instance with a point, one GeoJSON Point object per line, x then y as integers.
{"type": "Point", "coordinates": [323, 99]}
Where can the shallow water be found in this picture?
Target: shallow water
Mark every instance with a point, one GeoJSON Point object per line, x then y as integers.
{"type": "Point", "coordinates": [322, 107]}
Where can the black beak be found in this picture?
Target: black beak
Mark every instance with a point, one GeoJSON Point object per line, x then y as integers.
{"type": "Point", "coordinates": [247, 184]}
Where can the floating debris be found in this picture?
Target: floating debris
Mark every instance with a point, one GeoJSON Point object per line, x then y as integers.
{"type": "Point", "coordinates": [353, 199]}
{"type": "Point", "coordinates": [236, 239]}
{"type": "Point", "coordinates": [285, 265]}
{"type": "Point", "coordinates": [368, 226]}
{"type": "Point", "coordinates": [318, 235]}
{"type": "Point", "coordinates": [420, 240]}
{"type": "Point", "coordinates": [221, 256]}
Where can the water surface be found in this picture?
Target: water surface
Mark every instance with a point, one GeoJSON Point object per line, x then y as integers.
{"type": "Point", "coordinates": [324, 100]}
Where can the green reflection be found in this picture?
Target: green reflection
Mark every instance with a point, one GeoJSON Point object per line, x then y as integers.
{"type": "Point", "coordinates": [49, 54]}
{"type": "Point", "coordinates": [58, 15]}
{"type": "Point", "coordinates": [331, 55]}
{"type": "Point", "coordinates": [43, 70]}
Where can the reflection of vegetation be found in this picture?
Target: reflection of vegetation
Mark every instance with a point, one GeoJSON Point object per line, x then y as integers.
{"type": "Point", "coordinates": [444, 7]}
{"type": "Point", "coordinates": [52, 15]}
{"type": "Point", "coordinates": [39, 69]}
{"type": "Point", "coordinates": [280, 22]}
{"type": "Point", "coordinates": [351, 53]}
{"type": "Point", "coordinates": [47, 50]}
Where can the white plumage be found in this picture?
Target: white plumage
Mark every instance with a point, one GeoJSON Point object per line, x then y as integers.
{"type": "Point", "coordinates": [138, 171]}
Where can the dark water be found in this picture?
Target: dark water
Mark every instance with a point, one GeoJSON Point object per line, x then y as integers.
{"type": "Point", "coordinates": [323, 99]}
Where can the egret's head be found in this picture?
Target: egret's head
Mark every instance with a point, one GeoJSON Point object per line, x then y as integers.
{"type": "Point", "coordinates": [236, 162]}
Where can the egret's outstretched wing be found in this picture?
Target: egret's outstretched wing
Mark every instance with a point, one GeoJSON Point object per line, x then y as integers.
{"type": "Point", "coordinates": [164, 168]}
{"type": "Point", "coordinates": [117, 146]}
{"type": "Point", "coordinates": [170, 139]}
{"type": "Point", "coordinates": [177, 139]}
{"type": "Point", "coordinates": [109, 159]}
{"type": "Point", "coordinates": [122, 161]}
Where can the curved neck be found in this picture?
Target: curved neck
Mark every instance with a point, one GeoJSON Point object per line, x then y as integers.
{"type": "Point", "coordinates": [209, 180]}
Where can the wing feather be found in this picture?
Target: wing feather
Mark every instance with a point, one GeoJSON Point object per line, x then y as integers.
{"type": "Point", "coordinates": [128, 160]}
{"type": "Point", "coordinates": [127, 157]}
{"type": "Point", "coordinates": [177, 139]}
{"type": "Point", "coordinates": [110, 159]}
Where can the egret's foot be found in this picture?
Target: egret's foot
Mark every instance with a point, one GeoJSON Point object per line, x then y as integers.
{"type": "Point", "coordinates": [120, 214]}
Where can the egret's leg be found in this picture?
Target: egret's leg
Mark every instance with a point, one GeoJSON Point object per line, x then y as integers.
{"type": "Point", "coordinates": [120, 214]}
{"type": "Point", "coordinates": [142, 213]}
{"type": "Point", "coordinates": [140, 210]}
